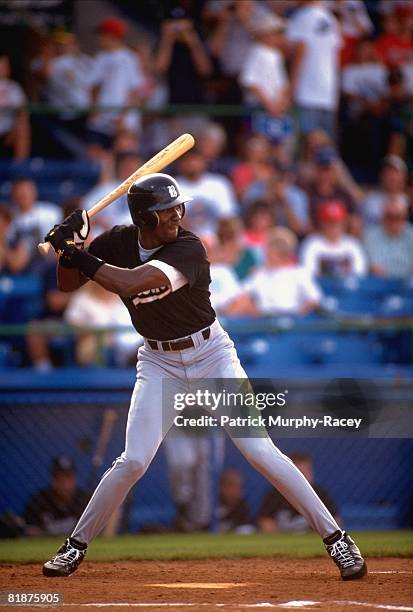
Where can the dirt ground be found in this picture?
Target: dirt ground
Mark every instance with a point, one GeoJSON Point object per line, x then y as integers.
{"type": "Point", "coordinates": [311, 584]}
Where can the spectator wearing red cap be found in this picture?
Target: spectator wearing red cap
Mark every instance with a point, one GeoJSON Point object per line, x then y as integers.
{"type": "Point", "coordinates": [113, 26]}
{"type": "Point", "coordinates": [117, 77]}
{"type": "Point", "coordinates": [332, 252]}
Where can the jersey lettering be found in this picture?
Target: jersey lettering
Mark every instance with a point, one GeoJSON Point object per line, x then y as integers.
{"type": "Point", "coordinates": [150, 295]}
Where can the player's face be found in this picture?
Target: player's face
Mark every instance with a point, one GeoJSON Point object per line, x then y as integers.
{"type": "Point", "coordinates": [169, 223]}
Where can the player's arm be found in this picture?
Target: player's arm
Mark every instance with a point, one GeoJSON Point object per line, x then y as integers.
{"type": "Point", "coordinates": [76, 266]}
{"type": "Point", "coordinates": [126, 282]}
{"type": "Point", "coordinates": [122, 281]}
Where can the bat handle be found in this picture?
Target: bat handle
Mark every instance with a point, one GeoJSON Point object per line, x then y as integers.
{"type": "Point", "coordinates": [43, 248]}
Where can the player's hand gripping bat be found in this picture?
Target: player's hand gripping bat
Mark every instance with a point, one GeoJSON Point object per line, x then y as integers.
{"type": "Point", "coordinates": [157, 163]}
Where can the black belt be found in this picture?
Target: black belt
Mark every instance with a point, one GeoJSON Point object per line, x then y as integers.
{"type": "Point", "coordinates": [177, 345]}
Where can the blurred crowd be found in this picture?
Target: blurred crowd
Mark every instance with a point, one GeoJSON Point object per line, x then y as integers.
{"type": "Point", "coordinates": [311, 177]}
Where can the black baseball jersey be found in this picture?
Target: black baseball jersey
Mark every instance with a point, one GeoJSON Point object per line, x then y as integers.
{"type": "Point", "coordinates": [158, 313]}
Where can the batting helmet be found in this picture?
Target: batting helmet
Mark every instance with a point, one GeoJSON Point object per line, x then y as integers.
{"type": "Point", "coordinates": [151, 193]}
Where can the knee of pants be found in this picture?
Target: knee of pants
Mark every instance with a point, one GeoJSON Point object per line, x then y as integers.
{"type": "Point", "coordinates": [135, 466]}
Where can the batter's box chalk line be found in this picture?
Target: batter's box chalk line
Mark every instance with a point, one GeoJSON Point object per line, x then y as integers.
{"type": "Point", "coordinates": [200, 585]}
{"type": "Point", "coordinates": [284, 606]}
{"type": "Point", "coordinates": [390, 572]}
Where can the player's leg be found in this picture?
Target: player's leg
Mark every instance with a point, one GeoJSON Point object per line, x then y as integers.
{"type": "Point", "coordinates": [284, 475]}
{"type": "Point", "coordinates": [267, 459]}
{"type": "Point", "coordinates": [144, 432]}
{"type": "Point", "coordinates": [147, 424]}
{"type": "Point", "coordinates": [291, 483]}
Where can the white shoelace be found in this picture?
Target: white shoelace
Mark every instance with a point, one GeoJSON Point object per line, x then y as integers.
{"type": "Point", "coordinates": [67, 557]}
{"type": "Point", "coordinates": [340, 551]}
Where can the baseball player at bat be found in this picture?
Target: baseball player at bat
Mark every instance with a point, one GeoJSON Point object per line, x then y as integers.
{"type": "Point", "coordinates": [161, 273]}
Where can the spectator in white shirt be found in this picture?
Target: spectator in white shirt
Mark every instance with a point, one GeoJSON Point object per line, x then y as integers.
{"type": "Point", "coordinates": [314, 33]}
{"type": "Point", "coordinates": [213, 190]}
{"type": "Point", "coordinates": [280, 286]}
{"type": "Point", "coordinates": [116, 78]}
{"type": "Point", "coordinates": [231, 38]}
{"type": "Point", "coordinates": [332, 252]}
{"type": "Point", "coordinates": [68, 76]}
{"type": "Point", "coordinates": [263, 75]}
{"type": "Point", "coordinates": [393, 184]}
{"type": "Point", "coordinates": [31, 222]}
{"type": "Point", "coordinates": [264, 80]}
{"type": "Point", "coordinates": [14, 121]}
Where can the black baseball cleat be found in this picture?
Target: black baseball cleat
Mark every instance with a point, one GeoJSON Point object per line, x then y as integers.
{"type": "Point", "coordinates": [346, 555]}
{"type": "Point", "coordinates": [66, 560]}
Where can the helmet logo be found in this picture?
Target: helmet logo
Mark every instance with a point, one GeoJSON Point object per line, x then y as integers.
{"type": "Point", "coordinates": [172, 191]}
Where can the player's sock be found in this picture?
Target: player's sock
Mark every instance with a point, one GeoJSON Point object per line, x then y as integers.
{"type": "Point", "coordinates": [76, 544]}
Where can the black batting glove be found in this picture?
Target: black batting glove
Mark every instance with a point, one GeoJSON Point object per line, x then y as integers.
{"type": "Point", "coordinates": [61, 237]}
{"type": "Point", "coordinates": [79, 222]}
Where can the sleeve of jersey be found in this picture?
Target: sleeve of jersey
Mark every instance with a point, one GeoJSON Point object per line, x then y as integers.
{"type": "Point", "coordinates": [175, 277]}
{"type": "Point", "coordinates": [187, 257]}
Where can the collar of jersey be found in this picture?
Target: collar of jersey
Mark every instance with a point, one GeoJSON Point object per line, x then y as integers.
{"type": "Point", "coordinates": [145, 254]}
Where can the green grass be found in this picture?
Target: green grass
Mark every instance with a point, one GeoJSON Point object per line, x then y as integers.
{"type": "Point", "coordinates": [207, 546]}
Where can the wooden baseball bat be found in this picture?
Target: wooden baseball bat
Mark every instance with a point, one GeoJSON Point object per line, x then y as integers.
{"type": "Point", "coordinates": [159, 161]}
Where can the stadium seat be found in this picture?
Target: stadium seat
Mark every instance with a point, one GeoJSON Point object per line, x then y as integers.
{"type": "Point", "coordinates": [20, 298]}
{"type": "Point", "coordinates": [342, 348]}
{"type": "Point", "coordinates": [367, 296]}
{"type": "Point", "coordinates": [56, 180]}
